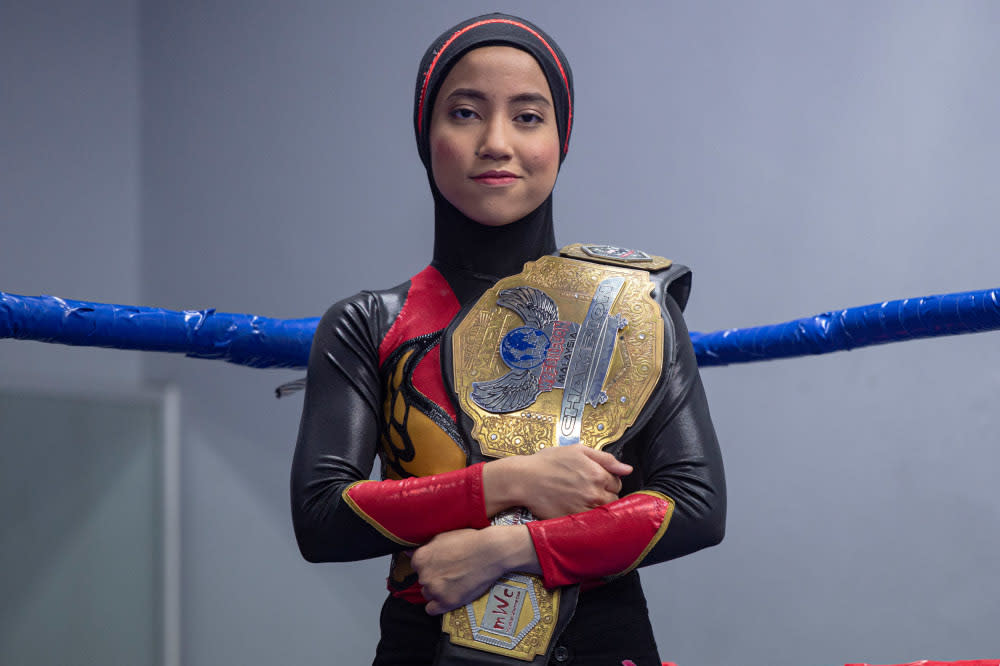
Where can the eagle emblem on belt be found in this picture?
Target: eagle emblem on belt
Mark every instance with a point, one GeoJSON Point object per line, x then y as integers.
{"type": "Point", "coordinates": [540, 352]}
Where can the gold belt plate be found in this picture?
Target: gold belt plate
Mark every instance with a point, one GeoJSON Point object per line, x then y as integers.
{"type": "Point", "coordinates": [560, 328]}
{"type": "Point", "coordinates": [515, 618]}
{"type": "Point", "coordinates": [574, 287]}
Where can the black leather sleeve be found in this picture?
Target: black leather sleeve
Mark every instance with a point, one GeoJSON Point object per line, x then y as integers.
{"type": "Point", "coordinates": [338, 433]}
{"type": "Point", "coordinates": [677, 454]}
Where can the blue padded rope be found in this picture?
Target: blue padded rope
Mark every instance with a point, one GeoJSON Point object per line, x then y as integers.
{"type": "Point", "coordinates": [863, 326]}
{"type": "Point", "coordinates": [259, 342]}
{"type": "Point", "coordinates": [263, 342]}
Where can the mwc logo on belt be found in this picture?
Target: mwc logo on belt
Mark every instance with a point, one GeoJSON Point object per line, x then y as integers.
{"type": "Point", "coordinates": [511, 611]}
{"type": "Point", "coordinates": [503, 608]}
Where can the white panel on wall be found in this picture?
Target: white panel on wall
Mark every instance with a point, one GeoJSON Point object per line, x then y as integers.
{"type": "Point", "coordinates": [88, 528]}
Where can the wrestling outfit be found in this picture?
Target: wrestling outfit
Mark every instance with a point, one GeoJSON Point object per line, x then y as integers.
{"type": "Point", "coordinates": [375, 387]}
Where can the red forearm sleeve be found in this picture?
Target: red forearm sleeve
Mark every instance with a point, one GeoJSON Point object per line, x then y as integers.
{"type": "Point", "coordinates": [608, 541]}
{"type": "Point", "coordinates": [412, 511]}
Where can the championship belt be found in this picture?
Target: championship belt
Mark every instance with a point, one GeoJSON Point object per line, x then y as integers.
{"type": "Point", "coordinates": [565, 352]}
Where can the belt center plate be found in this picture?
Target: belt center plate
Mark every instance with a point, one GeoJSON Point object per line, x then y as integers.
{"type": "Point", "coordinates": [564, 352]}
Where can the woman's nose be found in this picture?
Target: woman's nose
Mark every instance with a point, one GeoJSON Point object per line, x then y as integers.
{"type": "Point", "coordinates": [495, 141]}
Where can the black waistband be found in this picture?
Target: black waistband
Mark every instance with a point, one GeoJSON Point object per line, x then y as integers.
{"type": "Point", "coordinates": [611, 625]}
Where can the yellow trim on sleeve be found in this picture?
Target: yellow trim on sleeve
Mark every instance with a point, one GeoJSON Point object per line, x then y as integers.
{"type": "Point", "coordinates": [656, 537]}
{"type": "Point", "coordinates": [368, 519]}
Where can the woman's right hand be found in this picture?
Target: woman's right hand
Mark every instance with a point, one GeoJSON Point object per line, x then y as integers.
{"type": "Point", "coordinates": [554, 482]}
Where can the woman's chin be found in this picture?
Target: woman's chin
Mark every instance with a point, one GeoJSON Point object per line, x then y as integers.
{"type": "Point", "coordinates": [489, 217]}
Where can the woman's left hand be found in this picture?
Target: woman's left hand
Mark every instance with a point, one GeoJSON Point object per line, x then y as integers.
{"type": "Point", "coordinates": [456, 567]}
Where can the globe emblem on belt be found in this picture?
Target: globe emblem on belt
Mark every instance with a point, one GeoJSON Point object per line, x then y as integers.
{"type": "Point", "coordinates": [524, 348]}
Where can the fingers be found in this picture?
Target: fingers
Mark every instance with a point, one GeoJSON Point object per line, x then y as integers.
{"type": "Point", "coordinates": [609, 476]}
{"type": "Point", "coordinates": [608, 462]}
{"type": "Point", "coordinates": [442, 601]}
{"type": "Point", "coordinates": [606, 484]}
{"type": "Point", "coordinates": [601, 499]}
{"type": "Point", "coordinates": [433, 606]}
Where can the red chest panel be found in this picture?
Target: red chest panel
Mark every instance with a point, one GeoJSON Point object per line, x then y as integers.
{"type": "Point", "coordinates": [419, 435]}
{"type": "Point", "coordinates": [430, 306]}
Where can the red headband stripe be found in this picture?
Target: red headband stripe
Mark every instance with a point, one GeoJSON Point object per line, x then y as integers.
{"type": "Point", "coordinates": [459, 33]}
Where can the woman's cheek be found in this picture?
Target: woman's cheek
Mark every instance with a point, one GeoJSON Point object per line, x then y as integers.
{"type": "Point", "coordinates": [544, 163]}
{"type": "Point", "coordinates": [544, 159]}
{"type": "Point", "coordinates": [444, 153]}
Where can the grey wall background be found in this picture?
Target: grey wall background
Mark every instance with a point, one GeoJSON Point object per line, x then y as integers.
{"type": "Point", "coordinates": [70, 174]}
{"type": "Point", "coordinates": [82, 564]}
{"type": "Point", "coordinates": [257, 157]}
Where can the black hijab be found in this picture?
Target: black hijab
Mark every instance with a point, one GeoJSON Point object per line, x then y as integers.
{"type": "Point", "coordinates": [470, 255]}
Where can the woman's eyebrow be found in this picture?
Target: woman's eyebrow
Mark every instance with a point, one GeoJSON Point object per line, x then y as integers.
{"type": "Point", "coordinates": [531, 98]}
{"type": "Point", "coordinates": [467, 92]}
{"type": "Point", "coordinates": [520, 98]}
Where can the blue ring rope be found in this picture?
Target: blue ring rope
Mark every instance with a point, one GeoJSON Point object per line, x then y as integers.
{"type": "Point", "coordinates": [862, 326]}
{"type": "Point", "coordinates": [263, 342]}
{"type": "Point", "coordinates": [258, 342]}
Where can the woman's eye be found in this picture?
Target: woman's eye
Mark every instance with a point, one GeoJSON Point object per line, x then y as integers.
{"type": "Point", "coordinates": [529, 118]}
{"type": "Point", "coordinates": [463, 114]}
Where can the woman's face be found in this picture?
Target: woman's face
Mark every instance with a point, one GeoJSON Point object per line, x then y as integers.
{"type": "Point", "coordinates": [493, 136]}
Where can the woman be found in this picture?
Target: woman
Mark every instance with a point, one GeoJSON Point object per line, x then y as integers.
{"type": "Point", "coordinates": [493, 114]}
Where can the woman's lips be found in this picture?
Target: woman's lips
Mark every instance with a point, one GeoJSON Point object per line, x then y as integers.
{"type": "Point", "coordinates": [495, 178]}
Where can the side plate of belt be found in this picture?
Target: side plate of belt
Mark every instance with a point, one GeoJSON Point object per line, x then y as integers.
{"type": "Point", "coordinates": [565, 352]}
